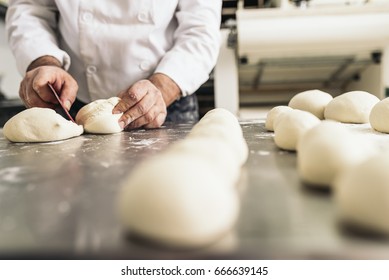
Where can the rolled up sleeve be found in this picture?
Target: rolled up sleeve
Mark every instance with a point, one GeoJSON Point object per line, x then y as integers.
{"type": "Point", "coordinates": [196, 44]}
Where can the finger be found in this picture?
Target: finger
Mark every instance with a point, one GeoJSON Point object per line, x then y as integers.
{"type": "Point", "coordinates": [132, 96]}
{"type": "Point", "coordinates": [142, 108]}
{"type": "Point", "coordinates": [32, 99]}
{"type": "Point", "coordinates": [39, 85]}
{"type": "Point", "coordinates": [157, 122]}
{"type": "Point", "coordinates": [68, 92]}
{"type": "Point", "coordinates": [143, 120]}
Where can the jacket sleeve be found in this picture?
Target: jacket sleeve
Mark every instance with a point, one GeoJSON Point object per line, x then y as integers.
{"type": "Point", "coordinates": [196, 44]}
{"type": "Point", "coordinates": [31, 27]}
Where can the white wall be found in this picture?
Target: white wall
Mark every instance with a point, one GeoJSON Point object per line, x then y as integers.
{"type": "Point", "coordinates": [10, 77]}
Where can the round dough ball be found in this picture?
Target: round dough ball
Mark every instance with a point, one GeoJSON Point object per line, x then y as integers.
{"type": "Point", "coordinates": [273, 114]}
{"type": "Point", "coordinates": [351, 107]}
{"type": "Point", "coordinates": [97, 117]}
{"type": "Point", "coordinates": [216, 153]}
{"type": "Point", "coordinates": [291, 126]}
{"type": "Point", "coordinates": [221, 125]}
{"type": "Point", "coordinates": [328, 149]}
{"type": "Point", "coordinates": [178, 200]}
{"type": "Point", "coordinates": [362, 194]}
{"type": "Point", "coordinates": [379, 116]}
{"type": "Point", "coordinates": [313, 101]}
{"type": "Point", "coordinates": [40, 125]}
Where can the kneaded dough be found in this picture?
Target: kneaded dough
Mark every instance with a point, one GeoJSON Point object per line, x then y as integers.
{"type": "Point", "coordinates": [97, 117]}
{"type": "Point", "coordinates": [313, 101]}
{"type": "Point", "coordinates": [379, 116]}
{"type": "Point", "coordinates": [40, 125]}
{"type": "Point", "coordinates": [328, 149]}
{"type": "Point", "coordinates": [221, 125]}
{"type": "Point", "coordinates": [217, 154]}
{"type": "Point", "coordinates": [178, 200]}
{"type": "Point", "coordinates": [351, 107]}
{"type": "Point", "coordinates": [361, 194]}
{"type": "Point", "coordinates": [185, 196]}
{"type": "Point", "coordinates": [273, 114]}
{"type": "Point", "coordinates": [291, 126]}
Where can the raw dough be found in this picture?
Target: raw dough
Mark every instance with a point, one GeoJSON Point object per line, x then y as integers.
{"type": "Point", "coordinates": [221, 125]}
{"type": "Point", "coordinates": [185, 196]}
{"type": "Point", "coordinates": [291, 126]}
{"type": "Point", "coordinates": [40, 125]}
{"type": "Point", "coordinates": [362, 194]}
{"type": "Point", "coordinates": [313, 101]}
{"type": "Point", "coordinates": [328, 149]}
{"type": "Point", "coordinates": [223, 161]}
{"type": "Point", "coordinates": [273, 114]}
{"type": "Point", "coordinates": [178, 200]}
{"type": "Point", "coordinates": [379, 116]}
{"type": "Point", "coordinates": [351, 107]}
{"type": "Point", "coordinates": [97, 117]}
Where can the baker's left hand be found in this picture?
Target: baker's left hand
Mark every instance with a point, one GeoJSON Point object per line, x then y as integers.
{"type": "Point", "coordinates": [142, 105]}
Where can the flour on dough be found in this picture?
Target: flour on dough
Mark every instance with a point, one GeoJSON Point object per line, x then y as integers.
{"type": "Point", "coordinates": [313, 101]}
{"type": "Point", "coordinates": [40, 125]}
{"type": "Point", "coordinates": [351, 107]}
{"type": "Point", "coordinates": [291, 126]}
{"type": "Point", "coordinates": [97, 117]}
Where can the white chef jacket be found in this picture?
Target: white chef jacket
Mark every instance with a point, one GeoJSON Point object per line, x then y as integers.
{"type": "Point", "coordinates": [107, 45]}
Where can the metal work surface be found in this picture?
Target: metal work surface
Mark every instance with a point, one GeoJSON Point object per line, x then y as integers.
{"type": "Point", "coordinates": [57, 200]}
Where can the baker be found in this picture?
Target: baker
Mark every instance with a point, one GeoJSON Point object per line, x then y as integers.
{"type": "Point", "coordinates": [153, 54]}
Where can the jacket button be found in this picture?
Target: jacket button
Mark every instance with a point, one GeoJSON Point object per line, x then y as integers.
{"type": "Point", "coordinates": [91, 69]}
{"type": "Point", "coordinates": [143, 16]}
{"type": "Point", "coordinates": [145, 65]}
{"type": "Point", "coordinates": [87, 17]}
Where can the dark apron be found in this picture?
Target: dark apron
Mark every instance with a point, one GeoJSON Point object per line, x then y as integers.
{"type": "Point", "coordinates": [184, 110]}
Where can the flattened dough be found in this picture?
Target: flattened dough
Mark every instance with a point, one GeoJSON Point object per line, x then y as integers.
{"type": "Point", "coordinates": [40, 125]}
{"type": "Point", "coordinates": [97, 117]}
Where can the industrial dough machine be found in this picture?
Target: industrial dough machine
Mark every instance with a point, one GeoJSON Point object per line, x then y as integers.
{"type": "Point", "coordinates": [268, 55]}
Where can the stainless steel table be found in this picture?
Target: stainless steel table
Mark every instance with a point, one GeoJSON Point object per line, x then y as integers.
{"type": "Point", "coordinates": [57, 200]}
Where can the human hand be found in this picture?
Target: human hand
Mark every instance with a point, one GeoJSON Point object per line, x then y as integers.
{"type": "Point", "coordinates": [34, 91]}
{"type": "Point", "coordinates": [142, 105]}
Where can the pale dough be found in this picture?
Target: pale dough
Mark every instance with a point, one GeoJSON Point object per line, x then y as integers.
{"type": "Point", "coordinates": [313, 101]}
{"type": "Point", "coordinates": [221, 125]}
{"type": "Point", "coordinates": [40, 125]}
{"type": "Point", "coordinates": [273, 114]}
{"type": "Point", "coordinates": [379, 116]}
{"type": "Point", "coordinates": [178, 200]}
{"type": "Point", "coordinates": [186, 196]}
{"type": "Point", "coordinates": [291, 126]}
{"type": "Point", "coordinates": [362, 194]}
{"type": "Point", "coordinates": [97, 117]}
{"type": "Point", "coordinates": [351, 107]}
{"type": "Point", "coordinates": [328, 149]}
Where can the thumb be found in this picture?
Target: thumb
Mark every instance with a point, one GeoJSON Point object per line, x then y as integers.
{"type": "Point", "coordinates": [68, 93]}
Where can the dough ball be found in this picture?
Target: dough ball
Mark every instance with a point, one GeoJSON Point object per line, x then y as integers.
{"type": "Point", "coordinates": [362, 194]}
{"type": "Point", "coordinates": [179, 201]}
{"type": "Point", "coordinates": [40, 125]}
{"type": "Point", "coordinates": [97, 117]}
{"type": "Point", "coordinates": [291, 126]}
{"type": "Point", "coordinates": [351, 107]}
{"type": "Point", "coordinates": [221, 125]}
{"type": "Point", "coordinates": [214, 152]}
{"type": "Point", "coordinates": [313, 101]}
{"type": "Point", "coordinates": [273, 114]}
{"type": "Point", "coordinates": [379, 116]}
{"type": "Point", "coordinates": [328, 149]}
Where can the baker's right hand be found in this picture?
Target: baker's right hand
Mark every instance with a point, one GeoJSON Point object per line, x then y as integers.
{"type": "Point", "coordinates": [35, 92]}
